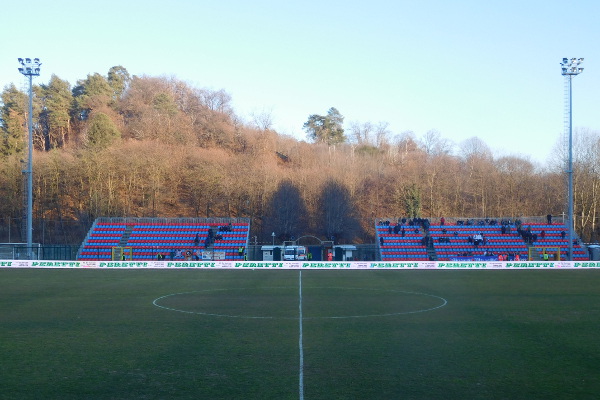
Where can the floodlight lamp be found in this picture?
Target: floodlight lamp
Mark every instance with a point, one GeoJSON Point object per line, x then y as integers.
{"type": "Point", "coordinates": [581, 59]}
{"type": "Point", "coordinates": [28, 60]}
{"type": "Point", "coordinates": [36, 60]}
{"type": "Point", "coordinates": [21, 60]}
{"type": "Point", "coordinates": [21, 70]}
{"type": "Point", "coordinates": [565, 60]}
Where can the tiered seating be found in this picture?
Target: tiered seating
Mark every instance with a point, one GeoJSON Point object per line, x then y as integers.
{"type": "Point", "coordinates": [552, 237]}
{"type": "Point", "coordinates": [496, 242]}
{"type": "Point", "coordinates": [398, 248]}
{"type": "Point", "coordinates": [172, 238]}
{"type": "Point", "coordinates": [100, 240]}
{"type": "Point", "coordinates": [148, 240]}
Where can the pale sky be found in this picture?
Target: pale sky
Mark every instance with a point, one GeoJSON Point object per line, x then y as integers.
{"type": "Point", "coordinates": [465, 68]}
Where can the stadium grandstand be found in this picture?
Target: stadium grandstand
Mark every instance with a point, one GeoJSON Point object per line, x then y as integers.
{"type": "Point", "coordinates": [144, 239]}
{"type": "Point", "coordinates": [472, 239]}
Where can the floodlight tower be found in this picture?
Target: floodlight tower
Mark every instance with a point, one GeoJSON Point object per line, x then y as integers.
{"type": "Point", "coordinates": [570, 68]}
{"type": "Point", "coordinates": [30, 69]}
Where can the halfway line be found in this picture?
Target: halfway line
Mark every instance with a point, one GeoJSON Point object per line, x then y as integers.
{"type": "Point", "coordinates": [301, 349]}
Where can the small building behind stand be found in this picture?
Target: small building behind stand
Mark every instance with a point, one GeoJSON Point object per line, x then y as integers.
{"type": "Point", "coordinates": [594, 250]}
{"type": "Point", "coordinates": [344, 252]}
{"type": "Point", "coordinates": [271, 253]}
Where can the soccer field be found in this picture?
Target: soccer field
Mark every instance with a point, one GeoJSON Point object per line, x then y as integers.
{"type": "Point", "coordinates": [286, 334]}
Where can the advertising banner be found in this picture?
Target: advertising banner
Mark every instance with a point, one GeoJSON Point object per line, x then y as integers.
{"type": "Point", "coordinates": [216, 264]}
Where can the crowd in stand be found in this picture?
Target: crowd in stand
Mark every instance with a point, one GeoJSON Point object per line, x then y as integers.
{"type": "Point", "coordinates": [478, 240]}
{"type": "Point", "coordinates": [481, 222]}
{"type": "Point", "coordinates": [487, 253]}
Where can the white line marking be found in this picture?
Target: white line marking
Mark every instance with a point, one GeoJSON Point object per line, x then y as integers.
{"type": "Point", "coordinates": [443, 303]}
{"type": "Point", "coordinates": [301, 380]}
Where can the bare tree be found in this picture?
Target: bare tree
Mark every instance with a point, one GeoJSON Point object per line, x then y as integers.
{"type": "Point", "coordinates": [434, 144]}
{"type": "Point", "coordinates": [263, 120]}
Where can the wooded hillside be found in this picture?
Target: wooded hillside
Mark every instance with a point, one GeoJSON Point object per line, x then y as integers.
{"type": "Point", "coordinates": [118, 145]}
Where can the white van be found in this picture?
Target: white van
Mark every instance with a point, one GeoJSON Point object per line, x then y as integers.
{"type": "Point", "coordinates": [294, 253]}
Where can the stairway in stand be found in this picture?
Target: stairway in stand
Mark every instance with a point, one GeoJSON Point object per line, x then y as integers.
{"type": "Point", "coordinates": [126, 234]}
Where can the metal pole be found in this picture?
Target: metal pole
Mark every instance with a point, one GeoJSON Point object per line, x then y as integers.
{"type": "Point", "coordinates": [570, 168]}
{"type": "Point", "coordinates": [570, 68]}
{"type": "Point", "coordinates": [30, 174]}
{"type": "Point", "coordinates": [30, 68]}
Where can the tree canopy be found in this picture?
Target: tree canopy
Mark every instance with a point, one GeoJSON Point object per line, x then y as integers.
{"type": "Point", "coordinates": [326, 128]}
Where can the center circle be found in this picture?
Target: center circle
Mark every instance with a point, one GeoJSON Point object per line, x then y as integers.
{"type": "Point", "coordinates": [283, 302]}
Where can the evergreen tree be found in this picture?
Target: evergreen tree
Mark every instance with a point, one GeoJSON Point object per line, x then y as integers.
{"type": "Point", "coordinates": [91, 94]}
{"type": "Point", "coordinates": [118, 79]}
{"type": "Point", "coordinates": [326, 128]}
{"type": "Point", "coordinates": [57, 100]}
{"type": "Point", "coordinates": [412, 200]}
{"type": "Point", "coordinates": [13, 116]}
{"type": "Point", "coordinates": [101, 132]}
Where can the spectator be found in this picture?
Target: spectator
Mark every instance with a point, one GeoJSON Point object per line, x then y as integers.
{"type": "Point", "coordinates": [549, 219]}
{"type": "Point", "coordinates": [381, 241]}
{"type": "Point", "coordinates": [442, 221]}
{"type": "Point", "coordinates": [563, 234]}
{"type": "Point", "coordinates": [426, 224]}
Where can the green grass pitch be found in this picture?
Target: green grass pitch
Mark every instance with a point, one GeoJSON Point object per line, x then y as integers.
{"type": "Point", "coordinates": [366, 334]}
